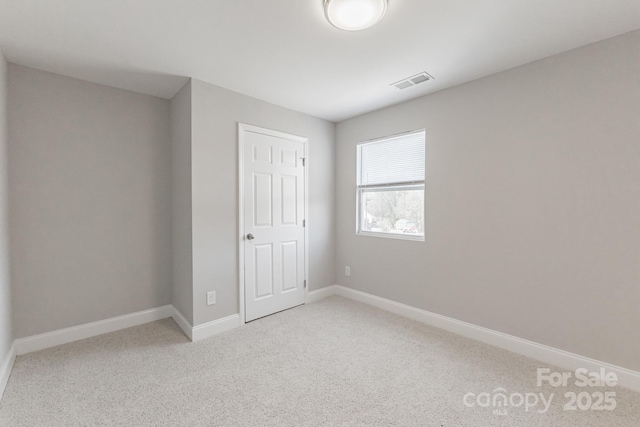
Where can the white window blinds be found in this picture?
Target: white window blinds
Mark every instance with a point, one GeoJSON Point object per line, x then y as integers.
{"type": "Point", "coordinates": [396, 160]}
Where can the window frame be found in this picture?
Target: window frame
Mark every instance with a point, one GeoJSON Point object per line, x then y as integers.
{"type": "Point", "coordinates": [396, 186]}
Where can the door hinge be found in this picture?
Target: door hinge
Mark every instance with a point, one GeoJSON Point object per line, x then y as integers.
{"type": "Point", "coordinates": [305, 283]}
{"type": "Point", "coordinates": [304, 222]}
{"type": "Point", "coordinates": [304, 161]}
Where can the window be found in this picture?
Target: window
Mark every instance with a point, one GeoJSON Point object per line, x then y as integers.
{"type": "Point", "coordinates": [391, 187]}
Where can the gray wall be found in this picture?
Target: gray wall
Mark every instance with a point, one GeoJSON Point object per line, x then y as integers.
{"type": "Point", "coordinates": [6, 337]}
{"type": "Point", "coordinates": [532, 203]}
{"type": "Point", "coordinates": [215, 114]}
{"type": "Point", "coordinates": [181, 241]}
{"type": "Point", "coordinates": [90, 209]}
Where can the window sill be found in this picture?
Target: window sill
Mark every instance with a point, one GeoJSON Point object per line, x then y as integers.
{"type": "Point", "coordinates": [396, 236]}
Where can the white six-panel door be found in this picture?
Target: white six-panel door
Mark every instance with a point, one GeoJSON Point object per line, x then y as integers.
{"type": "Point", "coordinates": [273, 235]}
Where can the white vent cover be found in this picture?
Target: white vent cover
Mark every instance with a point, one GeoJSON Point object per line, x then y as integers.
{"type": "Point", "coordinates": [413, 80]}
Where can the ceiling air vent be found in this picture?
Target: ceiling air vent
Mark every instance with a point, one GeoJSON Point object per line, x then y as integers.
{"type": "Point", "coordinates": [413, 80]}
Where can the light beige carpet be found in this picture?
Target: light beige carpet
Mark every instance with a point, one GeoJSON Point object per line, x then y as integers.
{"type": "Point", "coordinates": [335, 362]}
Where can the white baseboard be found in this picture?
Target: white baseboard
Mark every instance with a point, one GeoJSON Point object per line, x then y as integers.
{"type": "Point", "coordinates": [182, 322]}
{"type": "Point", "coordinates": [206, 330]}
{"type": "Point", "coordinates": [626, 378]}
{"type": "Point", "coordinates": [553, 356]}
{"type": "Point", "coordinates": [6, 367]}
{"type": "Point", "coordinates": [318, 294]}
{"type": "Point", "coordinates": [88, 330]}
{"type": "Point", "coordinates": [215, 327]}
{"type": "Point", "coordinates": [38, 342]}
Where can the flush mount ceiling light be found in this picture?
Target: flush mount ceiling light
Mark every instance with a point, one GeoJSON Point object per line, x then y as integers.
{"type": "Point", "coordinates": [354, 15]}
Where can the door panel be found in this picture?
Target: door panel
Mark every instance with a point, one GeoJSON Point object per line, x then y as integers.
{"type": "Point", "coordinates": [262, 153]}
{"type": "Point", "coordinates": [289, 265]}
{"type": "Point", "coordinates": [263, 200]}
{"type": "Point", "coordinates": [289, 190]}
{"type": "Point", "coordinates": [263, 261]}
{"type": "Point", "coordinates": [273, 222]}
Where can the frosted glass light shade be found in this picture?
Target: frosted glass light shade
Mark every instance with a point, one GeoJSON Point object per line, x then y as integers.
{"type": "Point", "coordinates": [354, 15]}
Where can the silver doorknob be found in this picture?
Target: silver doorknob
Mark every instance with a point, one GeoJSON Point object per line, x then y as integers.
{"type": "Point", "coordinates": [250, 236]}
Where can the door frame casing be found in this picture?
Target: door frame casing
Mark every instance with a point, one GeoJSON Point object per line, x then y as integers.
{"type": "Point", "coordinates": [242, 127]}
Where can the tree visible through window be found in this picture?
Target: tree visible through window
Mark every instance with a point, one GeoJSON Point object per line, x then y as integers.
{"type": "Point", "coordinates": [391, 186]}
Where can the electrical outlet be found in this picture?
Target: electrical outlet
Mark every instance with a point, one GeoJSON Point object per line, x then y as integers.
{"type": "Point", "coordinates": [347, 270]}
{"type": "Point", "coordinates": [211, 298]}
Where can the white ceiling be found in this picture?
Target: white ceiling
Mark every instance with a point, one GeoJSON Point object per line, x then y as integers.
{"type": "Point", "coordinates": [285, 52]}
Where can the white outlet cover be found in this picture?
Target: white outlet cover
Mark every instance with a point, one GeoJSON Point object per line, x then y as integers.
{"type": "Point", "coordinates": [347, 271]}
{"type": "Point", "coordinates": [211, 298]}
